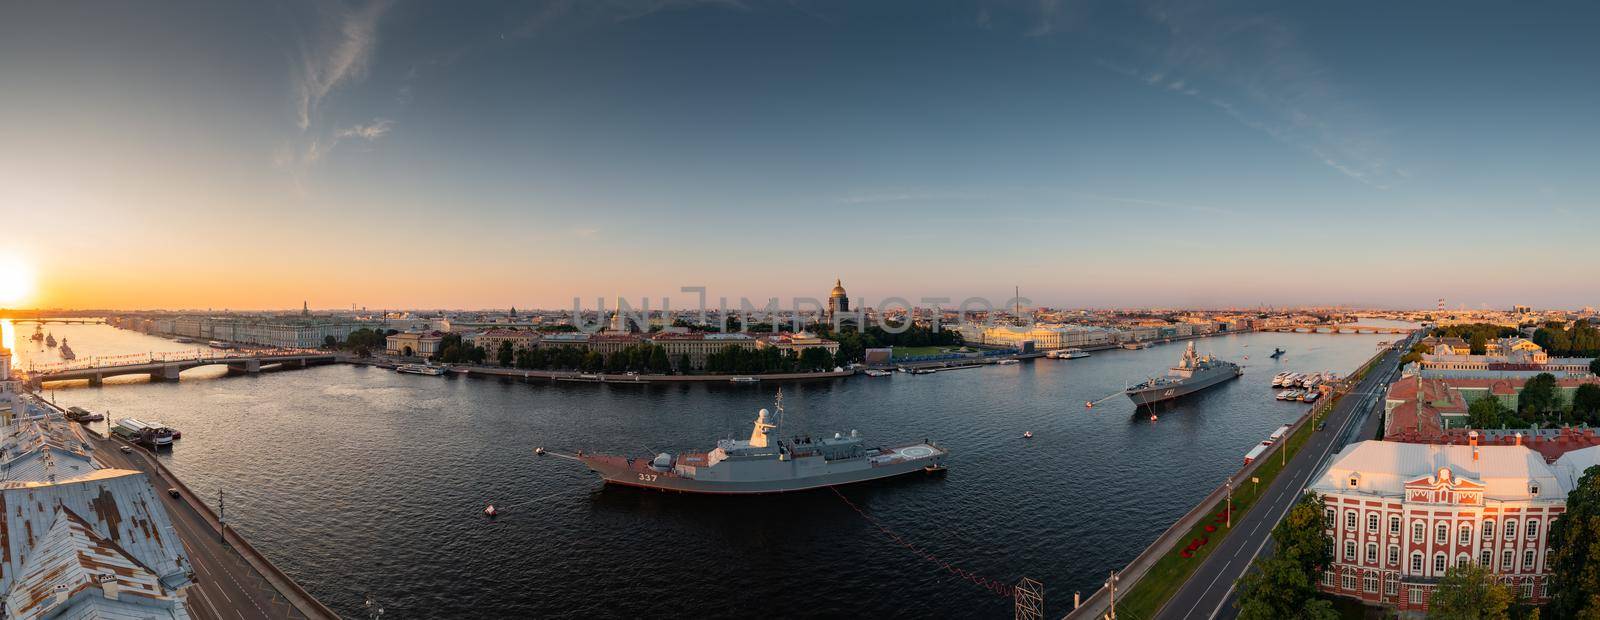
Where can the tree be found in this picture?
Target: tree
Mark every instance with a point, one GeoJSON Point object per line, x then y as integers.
{"type": "Point", "coordinates": [683, 363]}
{"type": "Point", "coordinates": [658, 359]}
{"type": "Point", "coordinates": [1586, 403]}
{"type": "Point", "coordinates": [1594, 366]}
{"type": "Point", "coordinates": [1479, 343]}
{"type": "Point", "coordinates": [1486, 412]}
{"type": "Point", "coordinates": [329, 341]}
{"type": "Point", "coordinates": [1470, 592]}
{"type": "Point", "coordinates": [1538, 395]}
{"type": "Point", "coordinates": [815, 358]}
{"type": "Point", "coordinates": [1284, 584]}
{"type": "Point", "coordinates": [1574, 556]}
{"type": "Point", "coordinates": [507, 354]}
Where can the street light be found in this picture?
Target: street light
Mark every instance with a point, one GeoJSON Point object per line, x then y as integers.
{"type": "Point", "coordinates": [1229, 511]}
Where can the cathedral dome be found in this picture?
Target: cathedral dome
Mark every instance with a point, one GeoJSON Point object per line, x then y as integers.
{"type": "Point", "coordinates": [838, 289]}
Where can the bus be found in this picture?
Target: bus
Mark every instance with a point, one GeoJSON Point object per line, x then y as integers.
{"type": "Point", "coordinates": [1276, 435]}
{"type": "Point", "coordinates": [1250, 456]}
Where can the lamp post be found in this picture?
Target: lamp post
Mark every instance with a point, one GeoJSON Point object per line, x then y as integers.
{"type": "Point", "coordinates": [1229, 511]}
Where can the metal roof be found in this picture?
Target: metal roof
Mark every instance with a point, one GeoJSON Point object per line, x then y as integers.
{"type": "Point", "coordinates": [1384, 467]}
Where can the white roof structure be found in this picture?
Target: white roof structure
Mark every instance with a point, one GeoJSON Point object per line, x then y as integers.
{"type": "Point", "coordinates": [78, 540]}
{"type": "Point", "coordinates": [1572, 465]}
{"type": "Point", "coordinates": [1383, 468]}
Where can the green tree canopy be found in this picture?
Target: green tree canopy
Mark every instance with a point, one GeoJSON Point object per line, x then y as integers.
{"type": "Point", "coordinates": [1283, 585]}
{"type": "Point", "coordinates": [507, 354]}
{"type": "Point", "coordinates": [1594, 366]}
{"type": "Point", "coordinates": [1586, 404]}
{"type": "Point", "coordinates": [1574, 556]}
{"type": "Point", "coordinates": [1470, 592]}
{"type": "Point", "coordinates": [1487, 412]}
{"type": "Point", "coordinates": [1538, 395]}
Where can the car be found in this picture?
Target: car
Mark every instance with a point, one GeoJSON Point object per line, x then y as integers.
{"type": "Point", "coordinates": [173, 491]}
{"type": "Point", "coordinates": [1320, 425]}
{"type": "Point", "coordinates": [126, 449]}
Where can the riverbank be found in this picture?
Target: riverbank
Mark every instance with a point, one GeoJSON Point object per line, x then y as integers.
{"type": "Point", "coordinates": [572, 376]}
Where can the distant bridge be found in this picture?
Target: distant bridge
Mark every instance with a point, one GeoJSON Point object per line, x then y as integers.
{"type": "Point", "coordinates": [1336, 328]}
{"type": "Point", "coordinates": [167, 366]}
{"type": "Point", "coordinates": [62, 320]}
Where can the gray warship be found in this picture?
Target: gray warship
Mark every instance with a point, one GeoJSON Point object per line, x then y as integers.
{"type": "Point", "coordinates": [767, 463]}
{"type": "Point", "coordinates": [1192, 374]}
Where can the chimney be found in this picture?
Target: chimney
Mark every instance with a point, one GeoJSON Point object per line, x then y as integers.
{"type": "Point", "coordinates": [1472, 438]}
{"type": "Point", "coordinates": [62, 592]}
{"type": "Point", "coordinates": [108, 583]}
{"type": "Point", "coordinates": [1519, 438]}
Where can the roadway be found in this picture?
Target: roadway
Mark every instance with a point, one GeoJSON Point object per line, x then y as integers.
{"type": "Point", "coordinates": [225, 586]}
{"type": "Point", "coordinates": [1209, 592]}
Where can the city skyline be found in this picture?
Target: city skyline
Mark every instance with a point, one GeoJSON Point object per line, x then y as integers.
{"type": "Point", "coordinates": [402, 155]}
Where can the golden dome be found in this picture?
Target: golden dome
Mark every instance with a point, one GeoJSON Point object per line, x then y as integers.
{"type": "Point", "coordinates": [838, 289]}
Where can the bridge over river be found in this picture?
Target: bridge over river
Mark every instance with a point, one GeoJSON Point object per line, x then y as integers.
{"type": "Point", "coordinates": [167, 366]}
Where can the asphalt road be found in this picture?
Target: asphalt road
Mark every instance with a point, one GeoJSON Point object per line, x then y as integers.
{"type": "Point", "coordinates": [226, 587]}
{"type": "Point", "coordinates": [1209, 593]}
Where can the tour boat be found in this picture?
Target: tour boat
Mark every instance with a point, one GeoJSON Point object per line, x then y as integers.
{"type": "Point", "coordinates": [420, 369]}
{"type": "Point", "coordinates": [1007, 362]}
{"type": "Point", "coordinates": [873, 372]}
{"type": "Point", "coordinates": [744, 380]}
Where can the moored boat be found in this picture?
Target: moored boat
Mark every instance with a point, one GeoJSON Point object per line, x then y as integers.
{"type": "Point", "coordinates": [1193, 373]}
{"type": "Point", "coordinates": [420, 369]}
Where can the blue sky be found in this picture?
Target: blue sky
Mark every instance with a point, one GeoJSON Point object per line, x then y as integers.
{"type": "Point", "coordinates": [1094, 153]}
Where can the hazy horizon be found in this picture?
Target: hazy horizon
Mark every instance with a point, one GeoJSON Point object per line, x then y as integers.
{"type": "Point", "coordinates": [483, 155]}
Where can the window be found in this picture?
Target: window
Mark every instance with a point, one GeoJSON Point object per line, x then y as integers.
{"type": "Point", "coordinates": [1527, 590]}
{"type": "Point", "coordinates": [1416, 531]}
{"type": "Point", "coordinates": [1441, 534]}
{"type": "Point", "coordinates": [1416, 563]}
{"type": "Point", "coordinates": [1394, 555]}
{"type": "Point", "coordinates": [1348, 581]}
{"type": "Point", "coordinates": [1533, 489]}
{"type": "Point", "coordinates": [1394, 526]}
{"type": "Point", "coordinates": [1350, 550]}
{"type": "Point", "coordinates": [1372, 522]}
{"type": "Point", "coordinates": [1511, 529]}
{"type": "Point", "coordinates": [1488, 529]}
{"type": "Point", "coordinates": [1416, 596]}
{"type": "Point", "coordinates": [1505, 560]}
{"type": "Point", "coordinates": [1466, 535]}
{"type": "Point", "coordinates": [1438, 563]}
{"type": "Point", "coordinates": [1369, 583]}
{"type": "Point", "coordinates": [1527, 559]}
{"type": "Point", "coordinates": [1327, 578]}
{"type": "Point", "coordinates": [1350, 520]}
{"type": "Point", "coordinates": [1486, 558]}
{"type": "Point", "coordinates": [1327, 518]}
{"type": "Point", "coordinates": [1372, 553]}
{"type": "Point", "coordinates": [1461, 560]}
{"type": "Point", "coordinates": [1391, 586]}
{"type": "Point", "coordinates": [1532, 529]}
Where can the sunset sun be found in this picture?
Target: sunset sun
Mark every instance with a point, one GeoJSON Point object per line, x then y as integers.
{"type": "Point", "coordinates": [16, 280]}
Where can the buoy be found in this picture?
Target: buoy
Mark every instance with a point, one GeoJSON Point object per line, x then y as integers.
{"type": "Point", "coordinates": [1152, 417]}
{"type": "Point", "coordinates": [490, 510]}
{"type": "Point", "coordinates": [539, 450]}
{"type": "Point", "coordinates": [1088, 405]}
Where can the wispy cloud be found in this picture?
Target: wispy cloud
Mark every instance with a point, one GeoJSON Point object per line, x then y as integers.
{"type": "Point", "coordinates": [337, 56]}
{"type": "Point", "coordinates": [1254, 69]}
{"type": "Point", "coordinates": [378, 128]}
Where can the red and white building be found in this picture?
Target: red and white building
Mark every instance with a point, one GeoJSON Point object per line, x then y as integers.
{"type": "Point", "coordinates": [1400, 514]}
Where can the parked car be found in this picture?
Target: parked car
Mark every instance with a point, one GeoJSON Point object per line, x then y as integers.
{"type": "Point", "coordinates": [173, 491]}
{"type": "Point", "coordinates": [1321, 424]}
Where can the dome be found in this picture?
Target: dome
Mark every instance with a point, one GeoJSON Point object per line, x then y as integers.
{"type": "Point", "coordinates": [838, 289]}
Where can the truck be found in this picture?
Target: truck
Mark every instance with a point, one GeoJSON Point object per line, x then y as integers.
{"type": "Point", "coordinates": [1250, 456]}
{"type": "Point", "coordinates": [1276, 435]}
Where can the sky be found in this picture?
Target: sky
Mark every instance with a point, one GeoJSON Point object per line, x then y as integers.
{"type": "Point", "coordinates": [399, 154]}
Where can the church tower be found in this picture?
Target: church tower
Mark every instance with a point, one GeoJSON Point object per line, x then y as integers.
{"type": "Point", "coordinates": [837, 300]}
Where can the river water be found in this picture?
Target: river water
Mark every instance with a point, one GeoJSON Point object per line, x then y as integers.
{"type": "Point", "coordinates": [360, 482]}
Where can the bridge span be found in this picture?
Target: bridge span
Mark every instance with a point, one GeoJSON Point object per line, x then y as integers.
{"type": "Point", "coordinates": [167, 366]}
{"type": "Point", "coordinates": [1336, 328]}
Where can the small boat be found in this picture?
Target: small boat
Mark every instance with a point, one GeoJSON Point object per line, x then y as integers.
{"type": "Point", "coordinates": [1276, 353]}
{"type": "Point", "coordinates": [744, 380]}
{"type": "Point", "coordinates": [490, 511]}
{"type": "Point", "coordinates": [539, 450]}
{"type": "Point", "coordinates": [873, 372]}
{"type": "Point", "coordinates": [935, 469]}
{"type": "Point", "coordinates": [218, 344]}
{"type": "Point", "coordinates": [1088, 404]}
{"type": "Point", "coordinates": [1153, 417]}
{"type": "Point", "coordinates": [1007, 362]}
{"type": "Point", "coordinates": [1135, 346]}
{"type": "Point", "coordinates": [1027, 434]}
{"type": "Point", "coordinates": [420, 369]}
{"type": "Point", "coordinates": [1311, 396]}
{"type": "Point", "coordinates": [1067, 354]}
{"type": "Point", "coordinates": [923, 371]}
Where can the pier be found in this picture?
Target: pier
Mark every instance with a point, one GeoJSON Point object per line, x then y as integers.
{"type": "Point", "coordinates": [167, 366]}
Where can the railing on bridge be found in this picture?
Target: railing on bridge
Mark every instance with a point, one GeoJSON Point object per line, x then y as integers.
{"type": "Point", "coordinates": [136, 359]}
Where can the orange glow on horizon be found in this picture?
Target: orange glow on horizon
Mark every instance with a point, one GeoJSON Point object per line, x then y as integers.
{"type": "Point", "coordinates": [16, 281]}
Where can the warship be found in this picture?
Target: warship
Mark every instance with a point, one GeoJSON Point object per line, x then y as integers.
{"type": "Point", "coordinates": [769, 463]}
{"type": "Point", "coordinates": [1193, 373]}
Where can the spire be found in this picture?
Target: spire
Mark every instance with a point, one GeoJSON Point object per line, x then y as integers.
{"type": "Point", "coordinates": [305, 308]}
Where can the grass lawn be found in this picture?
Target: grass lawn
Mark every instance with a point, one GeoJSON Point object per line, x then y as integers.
{"type": "Point", "coordinates": [901, 352]}
{"type": "Point", "coordinates": [1172, 570]}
